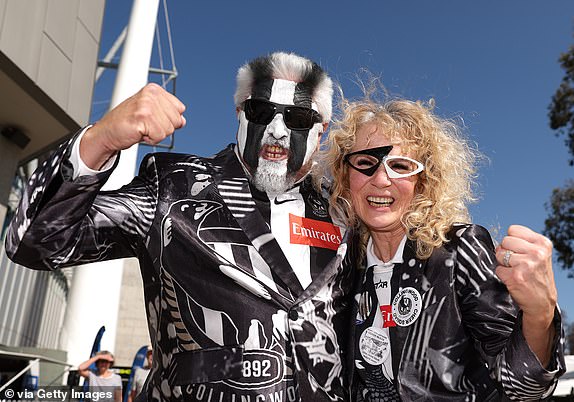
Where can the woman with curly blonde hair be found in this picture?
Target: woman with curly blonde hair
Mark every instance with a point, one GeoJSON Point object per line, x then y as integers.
{"type": "Point", "coordinates": [440, 312]}
{"type": "Point", "coordinates": [445, 186]}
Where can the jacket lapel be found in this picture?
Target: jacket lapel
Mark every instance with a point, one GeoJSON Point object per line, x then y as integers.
{"type": "Point", "coordinates": [409, 274]}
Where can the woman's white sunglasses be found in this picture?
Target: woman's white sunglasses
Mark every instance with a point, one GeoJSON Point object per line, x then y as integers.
{"type": "Point", "coordinates": [367, 161]}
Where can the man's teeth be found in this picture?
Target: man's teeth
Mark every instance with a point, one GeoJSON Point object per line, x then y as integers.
{"type": "Point", "coordinates": [274, 152]}
{"type": "Point", "coordinates": [274, 149]}
{"type": "Point", "coordinates": [380, 201]}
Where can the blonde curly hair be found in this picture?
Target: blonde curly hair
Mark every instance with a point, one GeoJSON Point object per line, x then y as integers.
{"type": "Point", "coordinates": [443, 189]}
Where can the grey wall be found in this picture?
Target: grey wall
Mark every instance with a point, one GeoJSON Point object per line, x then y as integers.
{"type": "Point", "coordinates": [48, 59]}
{"type": "Point", "coordinates": [55, 42]}
{"type": "Point", "coordinates": [33, 305]}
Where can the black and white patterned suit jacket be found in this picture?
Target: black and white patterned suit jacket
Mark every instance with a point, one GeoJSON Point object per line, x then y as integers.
{"type": "Point", "coordinates": [228, 318]}
{"type": "Point", "coordinates": [466, 344]}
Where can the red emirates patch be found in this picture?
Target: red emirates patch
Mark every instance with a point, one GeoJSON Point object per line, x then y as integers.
{"type": "Point", "coordinates": [314, 233]}
{"type": "Point", "coordinates": [387, 311]}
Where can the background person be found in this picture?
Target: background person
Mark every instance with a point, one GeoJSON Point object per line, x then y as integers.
{"type": "Point", "coordinates": [140, 376]}
{"type": "Point", "coordinates": [104, 381]}
{"type": "Point", "coordinates": [440, 312]}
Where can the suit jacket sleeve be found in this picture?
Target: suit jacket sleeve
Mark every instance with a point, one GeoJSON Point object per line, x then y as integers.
{"type": "Point", "coordinates": [62, 221]}
{"type": "Point", "coordinates": [494, 322]}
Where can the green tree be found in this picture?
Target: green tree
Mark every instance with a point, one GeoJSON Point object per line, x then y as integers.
{"type": "Point", "coordinates": [569, 335]}
{"type": "Point", "coordinates": [559, 226]}
{"type": "Point", "coordinates": [561, 112]}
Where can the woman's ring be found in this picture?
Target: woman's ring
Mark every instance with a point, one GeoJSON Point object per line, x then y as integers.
{"type": "Point", "coordinates": [506, 258]}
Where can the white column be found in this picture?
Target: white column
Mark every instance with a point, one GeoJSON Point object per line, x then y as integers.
{"type": "Point", "coordinates": [95, 292]}
{"type": "Point", "coordinates": [133, 75]}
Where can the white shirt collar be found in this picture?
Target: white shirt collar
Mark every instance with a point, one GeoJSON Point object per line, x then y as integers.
{"type": "Point", "coordinates": [372, 259]}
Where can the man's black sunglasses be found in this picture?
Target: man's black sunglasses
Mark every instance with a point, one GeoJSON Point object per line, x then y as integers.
{"type": "Point", "coordinates": [261, 111]}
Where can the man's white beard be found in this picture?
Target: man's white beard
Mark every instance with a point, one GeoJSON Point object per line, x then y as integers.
{"type": "Point", "coordinates": [272, 177]}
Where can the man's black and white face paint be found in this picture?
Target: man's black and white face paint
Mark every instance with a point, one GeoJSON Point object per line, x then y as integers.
{"type": "Point", "coordinates": [276, 156]}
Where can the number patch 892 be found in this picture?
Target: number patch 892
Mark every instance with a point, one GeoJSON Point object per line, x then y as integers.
{"type": "Point", "coordinates": [261, 368]}
{"type": "Point", "coordinates": [257, 368]}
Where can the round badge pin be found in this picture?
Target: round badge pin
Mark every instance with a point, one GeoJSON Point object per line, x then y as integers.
{"type": "Point", "coordinates": [407, 306]}
{"type": "Point", "coordinates": [375, 345]}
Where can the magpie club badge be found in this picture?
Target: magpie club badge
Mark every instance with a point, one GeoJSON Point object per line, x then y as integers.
{"type": "Point", "coordinates": [406, 306]}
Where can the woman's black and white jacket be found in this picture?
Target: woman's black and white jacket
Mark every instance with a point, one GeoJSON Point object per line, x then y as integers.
{"type": "Point", "coordinates": [467, 343]}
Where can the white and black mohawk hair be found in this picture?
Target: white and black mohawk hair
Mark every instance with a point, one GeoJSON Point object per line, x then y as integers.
{"type": "Point", "coordinates": [287, 66]}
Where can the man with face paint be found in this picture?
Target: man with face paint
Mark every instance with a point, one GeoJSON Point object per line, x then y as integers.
{"type": "Point", "coordinates": [276, 147]}
{"type": "Point", "coordinates": [245, 291]}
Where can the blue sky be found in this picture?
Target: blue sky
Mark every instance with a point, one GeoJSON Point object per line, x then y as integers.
{"type": "Point", "coordinates": [491, 64]}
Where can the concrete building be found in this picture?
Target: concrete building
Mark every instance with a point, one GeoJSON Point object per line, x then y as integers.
{"type": "Point", "coordinates": [48, 58]}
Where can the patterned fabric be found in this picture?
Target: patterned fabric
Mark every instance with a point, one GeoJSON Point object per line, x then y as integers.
{"type": "Point", "coordinates": [373, 385]}
{"type": "Point", "coordinates": [467, 342]}
{"type": "Point", "coordinates": [228, 315]}
{"type": "Point", "coordinates": [376, 387]}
